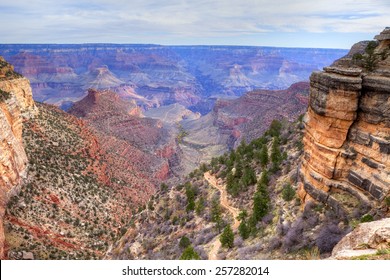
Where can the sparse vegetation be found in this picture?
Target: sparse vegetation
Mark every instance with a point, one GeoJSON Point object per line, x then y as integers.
{"type": "Point", "coordinates": [4, 95]}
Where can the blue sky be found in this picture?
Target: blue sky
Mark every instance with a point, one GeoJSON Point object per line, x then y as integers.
{"type": "Point", "coordinates": [287, 23]}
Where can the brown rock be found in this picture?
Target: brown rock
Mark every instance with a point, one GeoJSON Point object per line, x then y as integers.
{"type": "Point", "coordinates": [347, 137]}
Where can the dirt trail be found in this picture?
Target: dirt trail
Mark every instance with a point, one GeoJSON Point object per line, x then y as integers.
{"type": "Point", "coordinates": [225, 203]}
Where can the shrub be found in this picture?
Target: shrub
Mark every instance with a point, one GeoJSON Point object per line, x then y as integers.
{"type": "Point", "coordinates": [288, 193]}
{"type": "Point", "coordinates": [366, 218]}
{"type": "Point", "coordinates": [4, 95]}
{"type": "Point", "coordinates": [328, 237]}
{"type": "Point", "coordinates": [387, 201]}
{"type": "Point", "coordinates": [184, 242]}
{"type": "Point", "coordinates": [293, 239]}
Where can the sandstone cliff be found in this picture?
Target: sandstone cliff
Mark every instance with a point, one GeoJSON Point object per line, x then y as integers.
{"type": "Point", "coordinates": [16, 103]}
{"type": "Point", "coordinates": [347, 140]}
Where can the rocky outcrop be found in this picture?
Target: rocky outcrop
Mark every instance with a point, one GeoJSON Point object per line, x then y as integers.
{"type": "Point", "coordinates": [346, 161]}
{"type": "Point", "coordinates": [366, 239]}
{"type": "Point", "coordinates": [16, 103]}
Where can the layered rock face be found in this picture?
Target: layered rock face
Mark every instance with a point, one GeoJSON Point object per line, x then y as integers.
{"type": "Point", "coordinates": [15, 103]}
{"type": "Point", "coordinates": [347, 140]}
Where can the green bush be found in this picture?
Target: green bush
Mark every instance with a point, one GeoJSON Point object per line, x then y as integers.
{"type": "Point", "coordinates": [189, 254]}
{"type": "Point", "coordinates": [184, 242]}
{"type": "Point", "coordinates": [366, 218]}
{"type": "Point", "coordinates": [288, 193]}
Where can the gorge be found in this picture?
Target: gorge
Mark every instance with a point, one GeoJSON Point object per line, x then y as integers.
{"type": "Point", "coordinates": [121, 174]}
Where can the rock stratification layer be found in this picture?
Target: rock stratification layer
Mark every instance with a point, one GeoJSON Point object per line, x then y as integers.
{"type": "Point", "coordinates": [347, 139]}
{"type": "Point", "coordinates": [15, 103]}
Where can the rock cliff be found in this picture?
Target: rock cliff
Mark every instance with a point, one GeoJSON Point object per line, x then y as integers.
{"type": "Point", "coordinates": [16, 103]}
{"type": "Point", "coordinates": [347, 140]}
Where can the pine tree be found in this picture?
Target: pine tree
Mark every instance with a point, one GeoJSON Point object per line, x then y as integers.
{"type": "Point", "coordinates": [260, 204]}
{"type": "Point", "coordinates": [216, 214]}
{"type": "Point", "coordinates": [190, 254]}
{"type": "Point", "coordinates": [263, 156]}
{"type": "Point", "coordinates": [200, 205]}
{"type": "Point", "coordinates": [190, 193]}
{"type": "Point", "coordinates": [227, 237]}
{"type": "Point", "coordinates": [248, 177]}
{"type": "Point", "coordinates": [243, 230]}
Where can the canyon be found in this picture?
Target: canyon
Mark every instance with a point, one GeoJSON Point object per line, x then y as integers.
{"type": "Point", "coordinates": [155, 75]}
{"type": "Point", "coordinates": [155, 137]}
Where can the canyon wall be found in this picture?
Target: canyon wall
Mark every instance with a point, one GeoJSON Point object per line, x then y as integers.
{"type": "Point", "coordinates": [347, 139]}
{"type": "Point", "coordinates": [16, 103]}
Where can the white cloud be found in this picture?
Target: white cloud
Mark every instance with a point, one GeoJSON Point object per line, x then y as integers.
{"type": "Point", "coordinates": [52, 21]}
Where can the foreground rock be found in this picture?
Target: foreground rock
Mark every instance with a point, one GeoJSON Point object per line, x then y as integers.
{"type": "Point", "coordinates": [366, 239]}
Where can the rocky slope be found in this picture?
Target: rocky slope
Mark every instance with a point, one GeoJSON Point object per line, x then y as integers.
{"type": "Point", "coordinates": [16, 104]}
{"type": "Point", "coordinates": [136, 145]}
{"type": "Point", "coordinates": [68, 208]}
{"type": "Point", "coordinates": [245, 118]}
{"type": "Point", "coordinates": [161, 75]}
{"type": "Point", "coordinates": [347, 138]}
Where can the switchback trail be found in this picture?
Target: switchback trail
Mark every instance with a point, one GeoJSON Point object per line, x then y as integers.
{"type": "Point", "coordinates": [225, 203]}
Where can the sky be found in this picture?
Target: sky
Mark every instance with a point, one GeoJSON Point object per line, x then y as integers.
{"type": "Point", "coordinates": [282, 23]}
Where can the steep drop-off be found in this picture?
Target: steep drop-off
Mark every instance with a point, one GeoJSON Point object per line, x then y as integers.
{"type": "Point", "coordinates": [346, 162]}
{"type": "Point", "coordinates": [16, 104]}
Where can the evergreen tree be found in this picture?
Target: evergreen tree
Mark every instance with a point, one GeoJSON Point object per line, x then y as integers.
{"type": "Point", "coordinates": [264, 179]}
{"type": "Point", "coordinates": [260, 205]}
{"type": "Point", "coordinates": [275, 150]}
{"type": "Point", "coordinates": [227, 237]}
{"type": "Point", "coordinates": [238, 167]}
{"type": "Point", "coordinates": [274, 128]}
{"type": "Point", "coordinates": [190, 193]}
{"type": "Point", "coordinates": [249, 176]}
{"type": "Point", "coordinates": [200, 205]}
{"type": "Point", "coordinates": [242, 215]}
{"type": "Point", "coordinates": [216, 214]}
{"type": "Point", "coordinates": [244, 230]}
{"type": "Point", "coordinates": [263, 156]}
{"type": "Point", "coordinates": [288, 193]}
{"type": "Point", "coordinates": [189, 254]}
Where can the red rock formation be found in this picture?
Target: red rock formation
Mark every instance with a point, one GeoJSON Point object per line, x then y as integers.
{"type": "Point", "coordinates": [347, 138]}
{"type": "Point", "coordinates": [138, 149]}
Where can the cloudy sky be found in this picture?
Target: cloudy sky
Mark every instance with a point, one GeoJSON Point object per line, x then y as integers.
{"type": "Point", "coordinates": [288, 23]}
